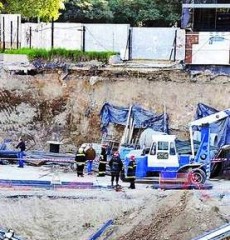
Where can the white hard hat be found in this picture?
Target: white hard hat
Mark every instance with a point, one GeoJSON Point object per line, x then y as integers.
{"type": "Point", "coordinates": [84, 145]}
{"type": "Point", "coordinates": [80, 150]}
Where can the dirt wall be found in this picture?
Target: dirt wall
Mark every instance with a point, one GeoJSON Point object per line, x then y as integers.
{"type": "Point", "coordinates": [66, 104]}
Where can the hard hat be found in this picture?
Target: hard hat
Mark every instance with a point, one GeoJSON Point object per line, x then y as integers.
{"type": "Point", "coordinates": [132, 157]}
{"type": "Point", "coordinates": [80, 150]}
{"type": "Point", "coordinates": [83, 145]}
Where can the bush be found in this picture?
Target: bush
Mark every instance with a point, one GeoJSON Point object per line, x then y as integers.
{"type": "Point", "coordinates": [73, 55]}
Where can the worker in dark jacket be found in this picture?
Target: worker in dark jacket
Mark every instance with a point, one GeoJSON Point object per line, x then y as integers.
{"type": "Point", "coordinates": [90, 155]}
{"type": "Point", "coordinates": [102, 161]}
{"type": "Point", "coordinates": [116, 166]}
{"type": "Point", "coordinates": [80, 161]}
{"type": "Point", "coordinates": [131, 172]}
{"type": "Point", "coordinates": [22, 147]}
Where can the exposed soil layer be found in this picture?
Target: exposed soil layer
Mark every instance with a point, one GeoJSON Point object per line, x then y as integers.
{"type": "Point", "coordinates": [65, 102]}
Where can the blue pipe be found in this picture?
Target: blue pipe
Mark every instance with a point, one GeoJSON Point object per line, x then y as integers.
{"type": "Point", "coordinates": [101, 230]}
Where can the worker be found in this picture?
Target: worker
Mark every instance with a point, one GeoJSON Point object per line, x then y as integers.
{"type": "Point", "coordinates": [22, 147]}
{"type": "Point", "coordinates": [102, 161]}
{"type": "Point", "coordinates": [80, 161]}
{"type": "Point", "coordinates": [131, 172]}
{"type": "Point", "coordinates": [90, 155]}
{"type": "Point", "coordinates": [116, 167]}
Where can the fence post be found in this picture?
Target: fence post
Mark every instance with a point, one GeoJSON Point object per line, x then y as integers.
{"type": "Point", "coordinates": [174, 47]}
{"type": "Point", "coordinates": [130, 47]}
{"type": "Point", "coordinates": [17, 32]}
{"type": "Point", "coordinates": [175, 43]}
{"type": "Point", "coordinates": [3, 34]}
{"type": "Point", "coordinates": [52, 33]}
{"type": "Point", "coordinates": [11, 34]}
{"type": "Point", "coordinates": [30, 37]}
{"type": "Point", "coordinates": [83, 38]}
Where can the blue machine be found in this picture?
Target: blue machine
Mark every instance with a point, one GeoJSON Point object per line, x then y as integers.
{"type": "Point", "coordinates": [164, 160]}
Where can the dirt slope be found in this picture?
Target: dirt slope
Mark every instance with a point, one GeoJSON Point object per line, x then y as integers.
{"type": "Point", "coordinates": [65, 102]}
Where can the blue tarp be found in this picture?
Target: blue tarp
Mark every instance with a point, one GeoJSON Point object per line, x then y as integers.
{"type": "Point", "coordinates": [215, 70]}
{"type": "Point", "coordinates": [142, 118]}
{"type": "Point", "coordinates": [221, 128]}
{"type": "Point", "coordinates": [186, 17]}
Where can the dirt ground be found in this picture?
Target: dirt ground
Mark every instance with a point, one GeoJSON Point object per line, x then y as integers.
{"type": "Point", "coordinates": [59, 105]}
{"type": "Point", "coordinates": [143, 213]}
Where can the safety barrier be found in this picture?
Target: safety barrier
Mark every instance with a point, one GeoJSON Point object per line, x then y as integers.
{"type": "Point", "coordinates": [30, 184]}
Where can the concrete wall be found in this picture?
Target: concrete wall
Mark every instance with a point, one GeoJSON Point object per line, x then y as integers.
{"type": "Point", "coordinates": [66, 35]}
{"type": "Point", "coordinates": [146, 43]}
{"type": "Point", "coordinates": [10, 25]}
{"type": "Point", "coordinates": [106, 37]}
{"type": "Point", "coordinates": [157, 43]}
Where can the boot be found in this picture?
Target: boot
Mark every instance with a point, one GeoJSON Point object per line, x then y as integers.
{"type": "Point", "coordinates": [117, 185]}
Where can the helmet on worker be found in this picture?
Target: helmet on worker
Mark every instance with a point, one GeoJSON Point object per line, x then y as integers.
{"type": "Point", "coordinates": [132, 157]}
{"type": "Point", "coordinates": [84, 145]}
{"type": "Point", "coordinates": [80, 150]}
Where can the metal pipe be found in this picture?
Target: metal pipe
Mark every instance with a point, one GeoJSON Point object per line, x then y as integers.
{"type": "Point", "coordinates": [101, 230]}
{"type": "Point", "coordinates": [220, 233]}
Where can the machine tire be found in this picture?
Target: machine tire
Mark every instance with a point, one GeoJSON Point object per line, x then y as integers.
{"type": "Point", "coordinates": [197, 176]}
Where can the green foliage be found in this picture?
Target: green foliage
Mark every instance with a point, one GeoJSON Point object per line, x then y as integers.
{"type": "Point", "coordinates": [87, 11]}
{"type": "Point", "coordinates": [73, 55]}
{"type": "Point", "coordinates": [155, 13]}
{"type": "Point", "coordinates": [45, 10]}
{"type": "Point", "coordinates": [150, 13]}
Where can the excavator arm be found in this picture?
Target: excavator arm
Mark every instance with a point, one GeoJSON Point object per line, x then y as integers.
{"type": "Point", "coordinates": [207, 121]}
{"type": "Point", "coordinates": [203, 154]}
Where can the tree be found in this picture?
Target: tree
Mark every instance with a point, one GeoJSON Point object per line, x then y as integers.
{"type": "Point", "coordinates": [87, 11]}
{"type": "Point", "coordinates": [159, 13]}
{"type": "Point", "coordinates": [43, 9]}
{"type": "Point", "coordinates": [150, 13]}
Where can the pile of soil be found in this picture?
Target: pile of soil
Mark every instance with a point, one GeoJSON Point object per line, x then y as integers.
{"type": "Point", "coordinates": [179, 215]}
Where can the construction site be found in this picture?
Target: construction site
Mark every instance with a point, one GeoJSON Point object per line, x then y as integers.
{"type": "Point", "coordinates": [57, 109]}
{"type": "Point", "coordinates": [161, 104]}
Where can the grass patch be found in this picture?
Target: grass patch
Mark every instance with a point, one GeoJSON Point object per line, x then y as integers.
{"type": "Point", "coordinates": [73, 55]}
